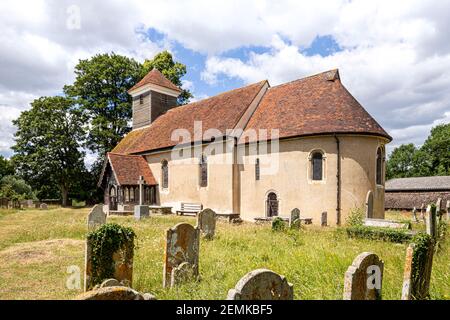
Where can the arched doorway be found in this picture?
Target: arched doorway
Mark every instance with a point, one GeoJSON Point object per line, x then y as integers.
{"type": "Point", "coordinates": [112, 198]}
{"type": "Point", "coordinates": [272, 205]}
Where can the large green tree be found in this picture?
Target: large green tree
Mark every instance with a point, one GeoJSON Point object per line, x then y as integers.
{"type": "Point", "coordinates": [173, 71]}
{"type": "Point", "coordinates": [6, 167]}
{"type": "Point", "coordinates": [431, 159]}
{"type": "Point", "coordinates": [100, 90]}
{"type": "Point", "coordinates": [47, 145]}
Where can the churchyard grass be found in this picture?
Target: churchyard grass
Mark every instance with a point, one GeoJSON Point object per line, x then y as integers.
{"type": "Point", "coordinates": [37, 247]}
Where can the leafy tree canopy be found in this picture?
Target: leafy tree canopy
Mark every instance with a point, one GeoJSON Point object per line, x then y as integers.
{"type": "Point", "coordinates": [432, 159]}
{"type": "Point", "coordinates": [6, 167]}
{"type": "Point", "coordinates": [47, 144]}
{"type": "Point", "coordinates": [172, 70]}
{"type": "Point", "coordinates": [100, 89]}
{"type": "Point", "coordinates": [12, 187]}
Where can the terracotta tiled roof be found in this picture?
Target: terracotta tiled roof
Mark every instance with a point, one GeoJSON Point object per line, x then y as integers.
{"type": "Point", "coordinates": [418, 184]}
{"type": "Point", "coordinates": [156, 77]}
{"type": "Point", "coordinates": [319, 104]}
{"type": "Point", "coordinates": [128, 168]}
{"type": "Point", "coordinates": [220, 112]}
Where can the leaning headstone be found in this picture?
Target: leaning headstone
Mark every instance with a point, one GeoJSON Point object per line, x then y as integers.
{"type": "Point", "coordinates": [430, 220]}
{"type": "Point", "coordinates": [414, 212]}
{"type": "Point", "coordinates": [43, 206]}
{"type": "Point", "coordinates": [206, 222]}
{"type": "Point", "coordinates": [96, 217]}
{"type": "Point", "coordinates": [262, 284]}
{"type": "Point", "coordinates": [115, 293]}
{"type": "Point", "coordinates": [363, 279]}
{"type": "Point", "coordinates": [122, 265]}
{"type": "Point", "coordinates": [182, 245]}
{"type": "Point", "coordinates": [294, 218]}
{"type": "Point", "coordinates": [417, 272]}
{"type": "Point", "coordinates": [323, 219]}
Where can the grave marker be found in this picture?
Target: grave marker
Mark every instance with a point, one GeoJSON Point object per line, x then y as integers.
{"type": "Point", "coordinates": [96, 217]}
{"type": "Point", "coordinates": [262, 284]}
{"type": "Point", "coordinates": [206, 222]}
{"type": "Point", "coordinates": [363, 279]}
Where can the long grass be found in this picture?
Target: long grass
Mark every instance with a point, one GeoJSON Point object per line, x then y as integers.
{"type": "Point", "coordinates": [313, 259]}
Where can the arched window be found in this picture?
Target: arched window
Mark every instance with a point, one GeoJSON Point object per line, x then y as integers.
{"type": "Point", "coordinates": [165, 174]}
{"type": "Point", "coordinates": [379, 168]}
{"type": "Point", "coordinates": [317, 165]}
{"type": "Point", "coordinates": [203, 171]}
{"type": "Point", "coordinates": [272, 205]}
{"type": "Point", "coordinates": [257, 169]}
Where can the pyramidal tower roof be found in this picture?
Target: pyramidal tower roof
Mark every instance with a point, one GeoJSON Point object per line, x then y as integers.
{"type": "Point", "coordinates": [155, 77]}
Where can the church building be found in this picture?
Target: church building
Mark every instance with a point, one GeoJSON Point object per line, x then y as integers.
{"type": "Point", "coordinates": [255, 152]}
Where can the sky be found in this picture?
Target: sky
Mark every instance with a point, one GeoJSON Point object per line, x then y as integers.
{"type": "Point", "coordinates": [393, 56]}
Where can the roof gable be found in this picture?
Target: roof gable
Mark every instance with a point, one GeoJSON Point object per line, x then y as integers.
{"type": "Point", "coordinates": [157, 78]}
{"type": "Point", "coordinates": [221, 112]}
{"type": "Point", "coordinates": [318, 104]}
{"type": "Point", "coordinates": [128, 168]}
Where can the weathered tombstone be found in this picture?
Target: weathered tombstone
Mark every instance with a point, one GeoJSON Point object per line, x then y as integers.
{"type": "Point", "coordinates": [141, 211]}
{"type": "Point", "coordinates": [414, 212]}
{"type": "Point", "coordinates": [369, 204]}
{"type": "Point", "coordinates": [122, 264]}
{"type": "Point", "coordinates": [96, 217]}
{"type": "Point", "coordinates": [262, 284]}
{"type": "Point", "coordinates": [115, 293]}
{"type": "Point", "coordinates": [430, 220]}
{"type": "Point", "coordinates": [206, 222]}
{"type": "Point", "coordinates": [182, 245]}
{"type": "Point", "coordinates": [294, 219]}
{"type": "Point", "coordinates": [43, 206]}
{"type": "Point", "coordinates": [363, 279]}
{"type": "Point", "coordinates": [323, 219]}
{"type": "Point", "coordinates": [417, 272]}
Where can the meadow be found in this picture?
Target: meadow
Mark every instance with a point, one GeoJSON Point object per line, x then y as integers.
{"type": "Point", "coordinates": [37, 247]}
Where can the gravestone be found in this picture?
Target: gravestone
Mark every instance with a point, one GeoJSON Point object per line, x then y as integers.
{"type": "Point", "coordinates": [363, 279]}
{"type": "Point", "coordinates": [206, 222]}
{"type": "Point", "coordinates": [141, 211]}
{"type": "Point", "coordinates": [262, 284]}
{"type": "Point", "coordinates": [382, 223]}
{"type": "Point", "coordinates": [43, 206]}
{"type": "Point", "coordinates": [414, 212]}
{"type": "Point", "coordinates": [369, 204]}
{"type": "Point", "coordinates": [294, 219]}
{"type": "Point", "coordinates": [96, 217]}
{"type": "Point", "coordinates": [417, 273]}
{"type": "Point", "coordinates": [122, 264]}
{"type": "Point", "coordinates": [430, 220]}
{"type": "Point", "coordinates": [115, 293]}
{"type": "Point", "coordinates": [182, 245]}
{"type": "Point", "coordinates": [323, 219]}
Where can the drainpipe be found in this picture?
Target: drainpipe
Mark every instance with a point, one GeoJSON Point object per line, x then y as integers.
{"type": "Point", "coordinates": [338, 178]}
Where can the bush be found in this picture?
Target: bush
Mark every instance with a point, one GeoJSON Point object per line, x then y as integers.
{"type": "Point", "coordinates": [15, 188]}
{"type": "Point", "coordinates": [374, 233]}
{"type": "Point", "coordinates": [106, 240]}
{"type": "Point", "coordinates": [355, 218]}
{"type": "Point", "coordinates": [278, 224]}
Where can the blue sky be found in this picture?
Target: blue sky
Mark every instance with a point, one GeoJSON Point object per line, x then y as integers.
{"type": "Point", "coordinates": [393, 56]}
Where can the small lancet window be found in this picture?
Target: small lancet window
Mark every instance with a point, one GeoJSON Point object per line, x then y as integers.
{"type": "Point", "coordinates": [203, 171]}
{"type": "Point", "coordinates": [165, 174]}
{"type": "Point", "coordinates": [317, 166]}
{"type": "Point", "coordinates": [257, 169]}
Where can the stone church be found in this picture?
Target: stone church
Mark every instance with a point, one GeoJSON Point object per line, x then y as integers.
{"type": "Point", "coordinates": [258, 151]}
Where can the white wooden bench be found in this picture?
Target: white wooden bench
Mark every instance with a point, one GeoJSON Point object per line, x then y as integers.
{"type": "Point", "coordinates": [190, 208]}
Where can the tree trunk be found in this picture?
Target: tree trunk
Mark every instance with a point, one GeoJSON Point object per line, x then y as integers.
{"type": "Point", "coordinates": [64, 195]}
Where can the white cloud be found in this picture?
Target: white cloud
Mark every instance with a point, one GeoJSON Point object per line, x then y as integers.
{"type": "Point", "coordinates": [394, 59]}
